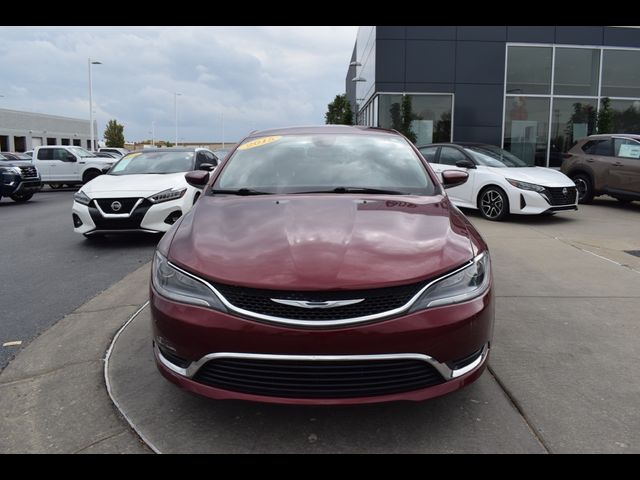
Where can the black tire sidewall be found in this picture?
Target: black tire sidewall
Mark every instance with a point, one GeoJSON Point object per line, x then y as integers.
{"type": "Point", "coordinates": [588, 196]}
{"type": "Point", "coordinates": [21, 198]}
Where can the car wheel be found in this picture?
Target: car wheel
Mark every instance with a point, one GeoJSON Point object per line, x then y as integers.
{"type": "Point", "coordinates": [21, 197]}
{"type": "Point", "coordinates": [493, 203]}
{"type": "Point", "coordinates": [584, 186]}
{"type": "Point", "coordinates": [90, 175]}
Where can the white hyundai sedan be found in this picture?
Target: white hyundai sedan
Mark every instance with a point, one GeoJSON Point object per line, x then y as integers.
{"type": "Point", "coordinates": [499, 182]}
{"type": "Point", "coordinates": [144, 191]}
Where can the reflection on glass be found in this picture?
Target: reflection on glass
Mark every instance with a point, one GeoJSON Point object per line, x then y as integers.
{"type": "Point", "coordinates": [621, 73]}
{"type": "Point", "coordinates": [527, 128]}
{"type": "Point", "coordinates": [572, 119]}
{"type": "Point", "coordinates": [626, 116]}
{"type": "Point", "coordinates": [576, 71]}
{"type": "Point", "coordinates": [529, 70]}
{"type": "Point", "coordinates": [427, 117]}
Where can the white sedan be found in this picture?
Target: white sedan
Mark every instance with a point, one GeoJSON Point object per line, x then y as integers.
{"type": "Point", "coordinates": [144, 191]}
{"type": "Point", "coordinates": [499, 182]}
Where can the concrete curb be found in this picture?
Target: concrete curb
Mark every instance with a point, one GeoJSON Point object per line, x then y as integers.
{"type": "Point", "coordinates": [108, 383]}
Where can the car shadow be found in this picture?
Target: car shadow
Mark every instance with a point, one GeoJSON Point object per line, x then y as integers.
{"type": "Point", "coordinates": [120, 241]}
{"type": "Point", "coordinates": [610, 202]}
{"type": "Point", "coordinates": [553, 219]}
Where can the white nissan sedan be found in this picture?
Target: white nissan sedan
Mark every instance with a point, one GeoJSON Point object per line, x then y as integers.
{"type": "Point", "coordinates": [501, 183]}
{"type": "Point", "coordinates": [144, 191]}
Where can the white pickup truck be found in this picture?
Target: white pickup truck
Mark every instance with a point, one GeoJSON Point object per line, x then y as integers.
{"type": "Point", "coordinates": [68, 165]}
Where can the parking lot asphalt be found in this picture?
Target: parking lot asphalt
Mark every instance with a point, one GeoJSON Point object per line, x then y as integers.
{"type": "Point", "coordinates": [48, 270]}
{"type": "Point", "coordinates": [562, 375]}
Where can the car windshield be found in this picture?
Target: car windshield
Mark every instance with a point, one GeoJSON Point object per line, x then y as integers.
{"type": "Point", "coordinates": [325, 162]}
{"type": "Point", "coordinates": [23, 156]}
{"type": "Point", "coordinates": [81, 152]}
{"type": "Point", "coordinates": [491, 156]}
{"type": "Point", "coordinates": [153, 163]}
{"type": "Point", "coordinates": [2, 157]}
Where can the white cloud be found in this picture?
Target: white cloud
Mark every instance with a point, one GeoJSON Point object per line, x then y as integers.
{"type": "Point", "coordinates": [259, 77]}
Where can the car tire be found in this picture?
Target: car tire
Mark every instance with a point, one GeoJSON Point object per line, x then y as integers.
{"type": "Point", "coordinates": [90, 175]}
{"type": "Point", "coordinates": [56, 186]}
{"type": "Point", "coordinates": [493, 203]}
{"type": "Point", "coordinates": [21, 197]}
{"type": "Point", "coordinates": [585, 187]}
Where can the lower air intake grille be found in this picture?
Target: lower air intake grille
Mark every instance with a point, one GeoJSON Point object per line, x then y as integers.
{"type": "Point", "coordinates": [318, 379]}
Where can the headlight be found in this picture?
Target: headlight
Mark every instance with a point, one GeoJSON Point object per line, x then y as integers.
{"type": "Point", "coordinates": [175, 285]}
{"type": "Point", "coordinates": [463, 285]}
{"type": "Point", "coordinates": [526, 186]}
{"type": "Point", "coordinates": [81, 198]}
{"type": "Point", "coordinates": [167, 195]}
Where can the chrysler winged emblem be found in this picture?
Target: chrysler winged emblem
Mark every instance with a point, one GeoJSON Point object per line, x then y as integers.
{"type": "Point", "coordinates": [308, 304]}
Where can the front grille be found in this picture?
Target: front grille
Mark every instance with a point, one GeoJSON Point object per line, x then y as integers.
{"type": "Point", "coordinates": [29, 172]}
{"type": "Point", "coordinates": [123, 223]}
{"type": "Point", "coordinates": [375, 301]}
{"type": "Point", "coordinates": [126, 204]}
{"type": "Point", "coordinates": [558, 198]}
{"type": "Point", "coordinates": [318, 379]}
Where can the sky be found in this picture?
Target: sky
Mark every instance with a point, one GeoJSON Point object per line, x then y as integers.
{"type": "Point", "coordinates": [256, 77]}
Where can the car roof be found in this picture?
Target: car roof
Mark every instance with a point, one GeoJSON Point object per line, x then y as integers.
{"type": "Point", "coordinates": [316, 129]}
{"type": "Point", "coordinates": [171, 149]}
{"type": "Point", "coordinates": [609, 135]}
{"type": "Point", "coordinates": [460, 144]}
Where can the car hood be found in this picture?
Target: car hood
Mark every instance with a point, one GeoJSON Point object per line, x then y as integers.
{"type": "Point", "coordinates": [15, 163]}
{"type": "Point", "coordinates": [321, 242]}
{"type": "Point", "coordinates": [109, 186]}
{"type": "Point", "coordinates": [546, 177]}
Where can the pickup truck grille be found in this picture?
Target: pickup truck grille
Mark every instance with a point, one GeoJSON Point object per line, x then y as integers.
{"type": "Point", "coordinates": [29, 172]}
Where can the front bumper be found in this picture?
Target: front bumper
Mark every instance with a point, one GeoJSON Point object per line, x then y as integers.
{"type": "Point", "coordinates": [438, 336]}
{"type": "Point", "coordinates": [16, 185]}
{"type": "Point", "coordinates": [527, 202]}
{"type": "Point", "coordinates": [146, 217]}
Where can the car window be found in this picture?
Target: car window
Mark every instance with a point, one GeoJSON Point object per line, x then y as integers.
{"type": "Point", "coordinates": [45, 154]}
{"type": "Point", "coordinates": [429, 153]}
{"type": "Point", "coordinates": [450, 155]}
{"type": "Point", "coordinates": [322, 162]}
{"type": "Point", "coordinates": [598, 147]}
{"type": "Point", "coordinates": [60, 154]}
{"type": "Point", "coordinates": [201, 158]}
{"type": "Point", "coordinates": [626, 148]}
{"type": "Point", "coordinates": [211, 158]}
{"type": "Point", "coordinates": [138, 163]}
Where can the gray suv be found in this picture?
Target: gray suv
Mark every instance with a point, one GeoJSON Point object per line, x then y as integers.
{"type": "Point", "coordinates": [605, 164]}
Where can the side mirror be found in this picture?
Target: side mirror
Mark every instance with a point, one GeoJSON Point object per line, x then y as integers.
{"type": "Point", "coordinates": [197, 178]}
{"type": "Point", "coordinates": [71, 158]}
{"type": "Point", "coordinates": [105, 169]}
{"type": "Point", "coordinates": [465, 164]}
{"type": "Point", "coordinates": [454, 178]}
{"type": "Point", "coordinates": [207, 167]}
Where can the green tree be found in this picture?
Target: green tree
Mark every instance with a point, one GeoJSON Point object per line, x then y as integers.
{"type": "Point", "coordinates": [406, 111]}
{"type": "Point", "coordinates": [339, 111]}
{"type": "Point", "coordinates": [114, 134]}
{"type": "Point", "coordinates": [168, 144]}
{"type": "Point", "coordinates": [605, 117]}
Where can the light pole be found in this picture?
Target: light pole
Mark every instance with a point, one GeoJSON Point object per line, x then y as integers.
{"type": "Point", "coordinates": [153, 133]}
{"type": "Point", "coordinates": [91, 102]}
{"type": "Point", "coordinates": [175, 106]}
{"type": "Point", "coordinates": [223, 130]}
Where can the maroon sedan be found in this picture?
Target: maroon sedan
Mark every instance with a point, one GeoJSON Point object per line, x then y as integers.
{"type": "Point", "coordinates": [322, 265]}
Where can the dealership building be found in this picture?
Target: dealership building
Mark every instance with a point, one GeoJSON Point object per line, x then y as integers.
{"type": "Point", "coordinates": [532, 90]}
{"type": "Point", "coordinates": [22, 131]}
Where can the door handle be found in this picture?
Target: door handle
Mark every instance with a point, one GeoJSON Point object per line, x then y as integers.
{"type": "Point", "coordinates": [617, 164]}
{"type": "Point", "coordinates": [590, 160]}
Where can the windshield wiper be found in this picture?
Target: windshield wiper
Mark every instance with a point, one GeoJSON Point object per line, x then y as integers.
{"type": "Point", "coordinates": [239, 191]}
{"type": "Point", "coordinates": [358, 190]}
